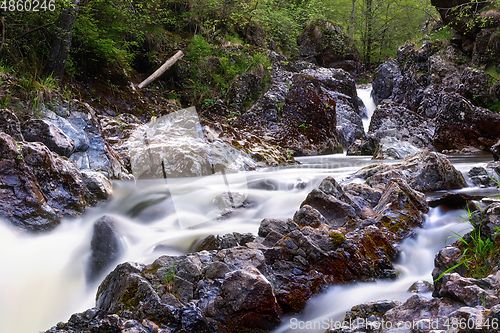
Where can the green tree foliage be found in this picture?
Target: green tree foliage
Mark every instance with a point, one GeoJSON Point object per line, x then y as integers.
{"type": "Point", "coordinates": [379, 26]}
{"type": "Point", "coordinates": [119, 32]}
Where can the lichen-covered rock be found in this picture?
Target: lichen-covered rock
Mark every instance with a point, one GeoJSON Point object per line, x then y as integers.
{"type": "Point", "coordinates": [39, 130]}
{"type": "Point", "coordinates": [22, 201]}
{"type": "Point", "coordinates": [325, 44]}
{"type": "Point", "coordinates": [478, 87]}
{"type": "Point", "coordinates": [460, 124]}
{"type": "Point", "coordinates": [9, 124]}
{"type": "Point", "coordinates": [401, 209]}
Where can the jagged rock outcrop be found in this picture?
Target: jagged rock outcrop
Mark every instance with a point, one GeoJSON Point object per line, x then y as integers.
{"type": "Point", "coordinates": [306, 111]}
{"type": "Point", "coordinates": [460, 124]}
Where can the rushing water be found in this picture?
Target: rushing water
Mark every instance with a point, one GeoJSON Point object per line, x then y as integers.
{"type": "Point", "coordinates": [365, 95]}
{"type": "Point", "coordinates": [42, 277]}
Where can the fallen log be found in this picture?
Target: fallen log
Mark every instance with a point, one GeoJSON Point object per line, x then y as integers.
{"type": "Point", "coordinates": [161, 70]}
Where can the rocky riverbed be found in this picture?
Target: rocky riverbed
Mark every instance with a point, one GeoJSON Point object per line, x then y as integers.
{"type": "Point", "coordinates": [433, 99]}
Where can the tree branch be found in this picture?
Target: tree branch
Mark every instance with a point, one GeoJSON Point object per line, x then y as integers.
{"type": "Point", "coordinates": [33, 30]}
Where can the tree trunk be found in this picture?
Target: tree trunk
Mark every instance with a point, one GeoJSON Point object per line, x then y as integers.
{"type": "Point", "coordinates": [62, 40]}
{"type": "Point", "coordinates": [369, 33]}
{"type": "Point", "coordinates": [161, 70]}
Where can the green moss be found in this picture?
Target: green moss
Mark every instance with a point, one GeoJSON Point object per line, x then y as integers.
{"type": "Point", "coordinates": [337, 238]}
{"type": "Point", "coordinates": [128, 298]}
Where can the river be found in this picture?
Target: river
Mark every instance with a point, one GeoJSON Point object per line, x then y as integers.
{"type": "Point", "coordinates": [42, 277]}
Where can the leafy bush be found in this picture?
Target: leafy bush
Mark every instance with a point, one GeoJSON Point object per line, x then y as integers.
{"type": "Point", "coordinates": [213, 68]}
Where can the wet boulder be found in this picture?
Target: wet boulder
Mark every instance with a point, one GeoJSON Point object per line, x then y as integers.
{"type": "Point", "coordinates": [342, 87]}
{"type": "Point", "coordinates": [307, 110]}
{"type": "Point", "coordinates": [495, 149]}
{"type": "Point", "coordinates": [324, 43]}
{"type": "Point", "coordinates": [424, 171]}
{"type": "Point", "coordinates": [460, 124]}
{"type": "Point", "coordinates": [383, 80]}
{"type": "Point", "coordinates": [330, 200]}
{"type": "Point", "coordinates": [39, 130]}
{"type": "Point", "coordinates": [97, 184]}
{"type": "Point", "coordinates": [445, 260]}
{"type": "Point", "coordinates": [22, 201]}
{"type": "Point", "coordinates": [92, 151]}
{"type": "Point", "coordinates": [397, 132]}
{"type": "Point", "coordinates": [60, 181]}
{"type": "Point", "coordinates": [305, 120]}
{"type": "Point", "coordinates": [9, 124]}
{"type": "Point", "coordinates": [401, 209]}
{"type": "Point", "coordinates": [105, 247]}
{"type": "Point", "coordinates": [246, 301]}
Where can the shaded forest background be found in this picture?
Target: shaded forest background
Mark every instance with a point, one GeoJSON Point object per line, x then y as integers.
{"type": "Point", "coordinates": [118, 40]}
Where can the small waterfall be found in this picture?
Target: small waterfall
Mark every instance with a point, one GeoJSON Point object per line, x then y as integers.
{"type": "Point", "coordinates": [365, 95]}
{"type": "Point", "coordinates": [42, 277]}
{"type": "Point", "coordinates": [416, 263]}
